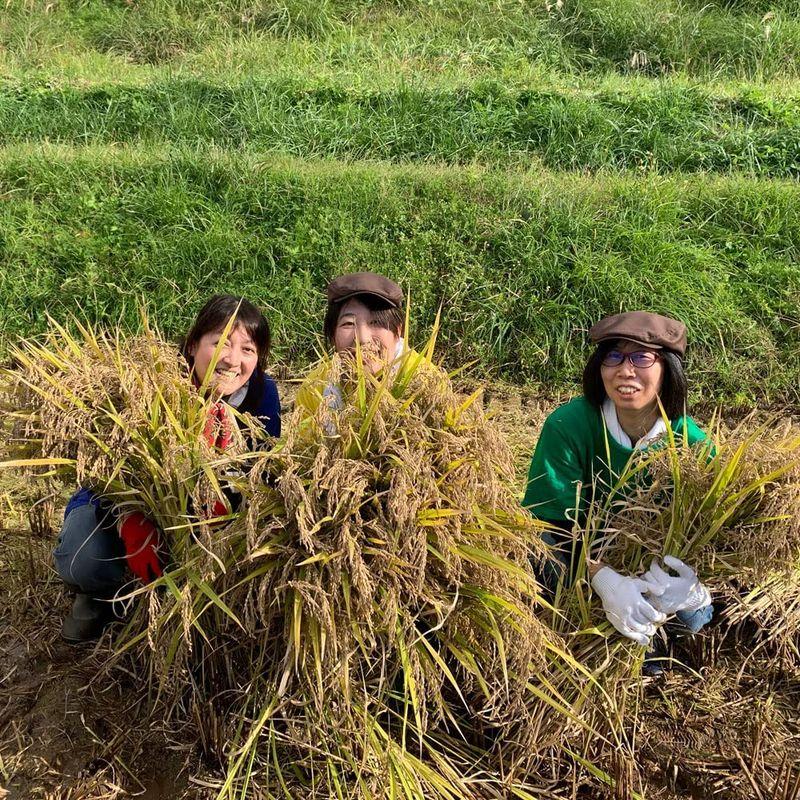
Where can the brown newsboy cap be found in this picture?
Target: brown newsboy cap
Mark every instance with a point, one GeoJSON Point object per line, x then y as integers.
{"type": "Point", "coordinates": [642, 327]}
{"type": "Point", "coordinates": [347, 286]}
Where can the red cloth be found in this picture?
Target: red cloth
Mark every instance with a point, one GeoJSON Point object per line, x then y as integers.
{"type": "Point", "coordinates": [141, 540]}
{"type": "Point", "coordinates": [218, 509]}
{"type": "Point", "coordinates": [218, 433]}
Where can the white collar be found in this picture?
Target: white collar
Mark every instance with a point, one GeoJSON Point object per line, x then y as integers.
{"type": "Point", "coordinates": [399, 349]}
{"type": "Point", "coordinates": [622, 438]}
{"type": "Point", "coordinates": [237, 398]}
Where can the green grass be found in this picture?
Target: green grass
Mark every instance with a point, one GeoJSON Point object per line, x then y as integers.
{"type": "Point", "coordinates": [663, 128]}
{"type": "Point", "coordinates": [489, 38]}
{"type": "Point", "coordinates": [530, 166]}
{"type": "Point", "coordinates": [522, 264]}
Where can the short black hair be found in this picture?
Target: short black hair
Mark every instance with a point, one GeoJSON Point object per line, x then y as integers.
{"type": "Point", "coordinates": [385, 314]}
{"type": "Point", "coordinates": [214, 316]}
{"type": "Point", "coordinates": [674, 387]}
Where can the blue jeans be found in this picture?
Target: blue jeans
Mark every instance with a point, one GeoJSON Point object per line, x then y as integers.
{"type": "Point", "coordinates": [693, 621]}
{"type": "Point", "coordinates": [89, 553]}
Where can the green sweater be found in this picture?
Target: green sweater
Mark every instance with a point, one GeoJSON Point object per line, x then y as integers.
{"type": "Point", "coordinates": [574, 452]}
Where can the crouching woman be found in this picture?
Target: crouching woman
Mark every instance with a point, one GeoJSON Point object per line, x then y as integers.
{"type": "Point", "coordinates": [587, 444]}
{"type": "Point", "coordinates": [96, 544]}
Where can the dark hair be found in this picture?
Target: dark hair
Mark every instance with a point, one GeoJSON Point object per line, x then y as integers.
{"type": "Point", "coordinates": [674, 388]}
{"type": "Point", "coordinates": [214, 316]}
{"type": "Point", "coordinates": [386, 315]}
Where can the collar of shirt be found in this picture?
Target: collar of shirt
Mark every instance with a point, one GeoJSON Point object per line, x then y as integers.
{"type": "Point", "coordinates": [237, 398]}
{"type": "Point", "coordinates": [620, 437]}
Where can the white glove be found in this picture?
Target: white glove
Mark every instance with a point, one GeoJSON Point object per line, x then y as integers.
{"type": "Point", "coordinates": [670, 593]}
{"type": "Point", "coordinates": [626, 609]}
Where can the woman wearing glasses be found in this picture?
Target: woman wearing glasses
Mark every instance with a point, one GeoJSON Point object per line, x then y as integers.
{"type": "Point", "coordinates": [586, 444]}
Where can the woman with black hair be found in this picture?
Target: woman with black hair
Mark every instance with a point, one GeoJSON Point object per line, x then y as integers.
{"type": "Point", "coordinates": [239, 376]}
{"type": "Point", "coordinates": [96, 543]}
{"type": "Point", "coordinates": [585, 446]}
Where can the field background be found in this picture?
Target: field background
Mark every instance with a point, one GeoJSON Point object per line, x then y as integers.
{"type": "Point", "coordinates": [529, 166]}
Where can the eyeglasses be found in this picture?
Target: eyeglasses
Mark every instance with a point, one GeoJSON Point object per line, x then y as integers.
{"type": "Point", "coordinates": [641, 359]}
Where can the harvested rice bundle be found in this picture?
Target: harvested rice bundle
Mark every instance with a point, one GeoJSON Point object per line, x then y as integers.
{"type": "Point", "coordinates": [735, 513]}
{"type": "Point", "coordinates": [385, 628]}
{"type": "Point", "coordinates": [120, 416]}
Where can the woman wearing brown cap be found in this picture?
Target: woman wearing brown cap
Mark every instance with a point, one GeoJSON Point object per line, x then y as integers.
{"type": "Point", "coordinates": [365, 308]}
{"type": "Point", "coordinates": [587, 443]}
{"type": "Point", "coordinates": [365, 312]}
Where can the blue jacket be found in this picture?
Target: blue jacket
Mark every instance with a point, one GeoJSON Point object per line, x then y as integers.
{"type": "Point", "coordinates": [261, 401]}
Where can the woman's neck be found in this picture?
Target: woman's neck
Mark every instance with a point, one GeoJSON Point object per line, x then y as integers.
{"type": "Point", "coordinates": [637, 422]}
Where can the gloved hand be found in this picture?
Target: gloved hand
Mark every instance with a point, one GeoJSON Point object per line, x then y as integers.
{"type": "Point", "coordinates": [626, 609]}
{"type": "Point", "coordinates": [218, 431]}
{"type": "Point", "coordinates": [141, 540]}
{"type": "Point", "coordinates": [670, 593]}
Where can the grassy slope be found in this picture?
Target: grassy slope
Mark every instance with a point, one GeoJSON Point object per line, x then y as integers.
{"type": "Point", "coordinates": [741, 39]}
{"type": "Point", "coordinates": [214, 146]}
{"type": "Point", "coordinates": [663, 128]}
{"type": "Point", "coordinates": [522, 264]}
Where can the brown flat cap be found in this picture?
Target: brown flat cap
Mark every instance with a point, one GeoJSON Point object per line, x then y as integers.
{"type": "Point", "coordinates": [347, 286]}
{"type": "Point", "coordinates": [644, 328]}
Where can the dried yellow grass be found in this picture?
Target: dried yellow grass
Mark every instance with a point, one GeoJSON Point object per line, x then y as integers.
{"type": "Point", "coordinates": [387, 597]}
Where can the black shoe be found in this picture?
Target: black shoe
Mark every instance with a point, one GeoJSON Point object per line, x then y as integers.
{"type": "Point", "coordinates": [657, 660]}
{"type": "Point", "coordinates": [87, 619]}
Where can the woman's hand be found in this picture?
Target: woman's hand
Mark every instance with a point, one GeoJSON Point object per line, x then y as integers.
{"type": "Point", "coordinates": [671, 593]}
{"type": "Point", "coordinates": [625, 606]}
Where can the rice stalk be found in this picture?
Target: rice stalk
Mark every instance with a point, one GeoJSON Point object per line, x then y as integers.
{"type": "Point", "coordinates": [363, 624]}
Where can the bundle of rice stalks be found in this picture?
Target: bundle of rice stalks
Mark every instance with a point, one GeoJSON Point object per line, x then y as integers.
{"type": "Point", "coordinates": [119, 416]}
{"type": "Point", "coordinates": [364, 625]}
{"type": "Point", "coordinates": [734, 514]}
{"type": "Point", "coordinates": [730, 509]}
{"type": "Point", "coordinates": [384, 603]}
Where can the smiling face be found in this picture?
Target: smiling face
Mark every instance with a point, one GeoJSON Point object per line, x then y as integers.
{"type": "Point", "coordinates": [237, 360]}
{"type": "Point", "coordinates": [633, 388]}
{"type": "Point", "coordinates": [357, 323]}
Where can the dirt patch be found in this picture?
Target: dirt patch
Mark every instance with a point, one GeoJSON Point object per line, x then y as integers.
{"type": "Point", "coordinates": [64, 733]}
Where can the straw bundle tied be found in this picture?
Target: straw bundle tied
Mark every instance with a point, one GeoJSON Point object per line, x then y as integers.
{"type": "Point", "coordinates": [397, 582]}
{"type": "Point", "coordinates": [363, 625]}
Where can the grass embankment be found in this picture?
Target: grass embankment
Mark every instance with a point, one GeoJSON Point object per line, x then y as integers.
{"type": "Point", "coordinates": [488, 92]}
{"type": "Point", "coordinates": [661, 128]}
{"type": "Point", "coordinates": [455, 81]}
{"type": "Point", "coordinates": [522, 264]}
{"type": "Point", "coordinates": [751, 39]}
